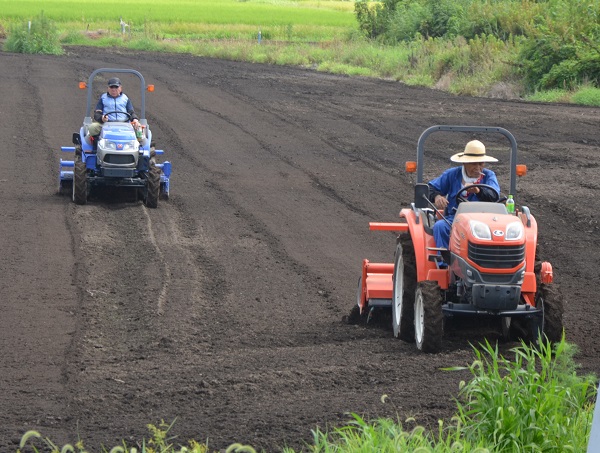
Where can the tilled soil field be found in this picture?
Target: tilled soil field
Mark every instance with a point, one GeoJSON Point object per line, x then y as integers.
{"type": "Point", "coordinates": [222, 310]}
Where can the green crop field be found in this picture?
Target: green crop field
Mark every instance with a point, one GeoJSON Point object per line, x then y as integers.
{"type": "Point", "coordinates": [317, 20]}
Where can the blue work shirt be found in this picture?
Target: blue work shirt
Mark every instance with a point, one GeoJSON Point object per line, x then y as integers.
{"type": "Point", "coordinates": [450, 183]}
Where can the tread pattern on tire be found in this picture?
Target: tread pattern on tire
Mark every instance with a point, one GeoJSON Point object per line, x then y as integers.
{"type": "Point", "coordinates": [80, 183]}
{"type": "Point", "coordinates": [553, 301]}
{"type": "Point", "coordinates": [153, 187]}
{"type": "Point", "coordinates": [433, 328]}
{"type": "Point", "coordinates": [553, 311]}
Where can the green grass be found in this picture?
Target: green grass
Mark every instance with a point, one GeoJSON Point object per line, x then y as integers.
{"type": "Point", "coordinates": [533, 401]}
{"type": "Point", "coordinates": [192, 19]}
{"type": "Point", "coordinates": [178, 13]}
{"type": "Point", "coordinates": [321, 35]}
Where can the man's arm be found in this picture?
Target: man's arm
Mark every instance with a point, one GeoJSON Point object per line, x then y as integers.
{"type": "Point", "coordinates": [486, 194]}
{"type": "Point", "coordinates": [131, 110]}
{"type": "Point", "coordinates": [98, 110]}
{"type": "Point", "coordinates": [433, 192]}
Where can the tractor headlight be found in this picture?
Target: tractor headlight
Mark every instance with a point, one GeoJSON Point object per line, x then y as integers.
{"type": "Point", "coordinates": [107, 144]}
{"type": "Point", "coordinates": [118, 146]}
{"type": "Point", "coordinates": [480, 230]}
{"type": "Point", "coordinates": [131, 146]}
{"type": "Point", "coordinates": [514, 231]}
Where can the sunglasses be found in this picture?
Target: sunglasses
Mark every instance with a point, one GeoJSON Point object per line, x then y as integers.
{"type": "Point", "coordinates": [114, 86]}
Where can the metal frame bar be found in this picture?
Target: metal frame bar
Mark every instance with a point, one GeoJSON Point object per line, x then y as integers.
{"type": "Point", "coordinates": [480, 129]}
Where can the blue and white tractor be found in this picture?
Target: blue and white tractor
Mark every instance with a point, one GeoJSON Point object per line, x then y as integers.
{"type": "Point", "coordinates": [124, 155]}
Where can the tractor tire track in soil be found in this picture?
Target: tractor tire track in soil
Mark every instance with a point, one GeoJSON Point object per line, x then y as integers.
{"type": "Point", "coordinates": [223, 309]}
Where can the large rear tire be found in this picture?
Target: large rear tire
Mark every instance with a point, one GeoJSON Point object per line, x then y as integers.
{"type": "Point", "coordinates": [549, 299]}
{"type": "Point", "coordinates": [429, 318]}
{"type": "Point", "coordinates": [403, 289]}
{"type": "Point", "coordinates": [153, 187]}
{"type": "Point", "coordinates": [80, 183]}
{"type": "Point", "coordinates": [552, 300]}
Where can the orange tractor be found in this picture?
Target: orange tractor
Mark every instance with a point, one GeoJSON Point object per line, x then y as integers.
{"type": "Point", "coordinates": [491, 268]}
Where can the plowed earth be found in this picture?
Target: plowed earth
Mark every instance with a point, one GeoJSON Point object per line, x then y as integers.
{"type": "Point", "coordinates": [223, 308]}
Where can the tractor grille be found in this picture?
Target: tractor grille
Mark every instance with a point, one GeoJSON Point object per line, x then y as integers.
{"type": "Point", "coordinates": [497, 256]}
{"type": "Point", "coordinates": [119, 159]}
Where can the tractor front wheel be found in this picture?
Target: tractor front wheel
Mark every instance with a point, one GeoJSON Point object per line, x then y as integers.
{"type": "Point", "coordinates": [429, 318]}
{"type": "Point", "coordinates": [506, 326]}
{"type": "Point", "coordinates": [403, 290]}
{"type": "Point", "coordinates": [80, 183]}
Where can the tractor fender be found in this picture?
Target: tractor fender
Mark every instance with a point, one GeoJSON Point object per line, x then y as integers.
{"type": "Point", "coordinates": [546, 274]}
{"type": "Point", "coordinates": [422, 243]}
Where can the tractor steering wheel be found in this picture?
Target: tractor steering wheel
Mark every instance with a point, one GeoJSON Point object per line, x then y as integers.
{"type": "Point", "coordinates": [460, 198]}
{"type": "Point", "coordinates": [129, 115]}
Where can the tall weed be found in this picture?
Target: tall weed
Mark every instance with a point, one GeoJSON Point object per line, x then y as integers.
{"type": "Point", "coordinates": [534, 402]}
{"type": "Point", "coordinates": [38, 36]}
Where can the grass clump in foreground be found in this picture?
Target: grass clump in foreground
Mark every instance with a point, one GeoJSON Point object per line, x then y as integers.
{"type": "Point", "coordinates": [533, 402]}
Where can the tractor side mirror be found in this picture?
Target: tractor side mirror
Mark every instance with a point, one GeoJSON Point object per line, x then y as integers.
{"type": "Point", "coordinates": [421, 195]}
{"type": "Point", "coordinates": [76, 138]}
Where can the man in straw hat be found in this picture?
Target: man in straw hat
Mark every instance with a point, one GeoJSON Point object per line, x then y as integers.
{"type": "Point", "coordinates": [444, 189]}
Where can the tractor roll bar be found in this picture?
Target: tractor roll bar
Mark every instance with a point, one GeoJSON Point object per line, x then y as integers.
{"type": "Point", "coordinates": [482, 129]}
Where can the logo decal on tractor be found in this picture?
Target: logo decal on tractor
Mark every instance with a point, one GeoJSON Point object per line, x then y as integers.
{"type": "Point", "coordinates": [498, 233]}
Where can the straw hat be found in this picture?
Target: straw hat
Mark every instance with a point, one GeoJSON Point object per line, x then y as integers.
{"type": "Point", "coordinates": [474, 152]}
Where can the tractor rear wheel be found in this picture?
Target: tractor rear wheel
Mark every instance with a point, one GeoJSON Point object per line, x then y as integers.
{"type": "Point", "coordinates": [403, 289]}
{"type": "Point", "coordinates": [80, 183]}
{"type": "Point", "coordinates": [549, 300]}
{"type": "Point", "coordinates": [152, 187]}
{"type": "Point", "coordinates": [552, 300]}
{"type": "Point", "coordinates": [429, 318]}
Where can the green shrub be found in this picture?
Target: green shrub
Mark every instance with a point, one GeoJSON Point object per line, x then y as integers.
{"type": "Point", "coordinates": [587, 96]}
{"type": "Point", "coordinates": [38, 36]}
{"type": "Point", "coordinates": [562, 47]}
{"type": "Point", "coordinates": [534, 402]}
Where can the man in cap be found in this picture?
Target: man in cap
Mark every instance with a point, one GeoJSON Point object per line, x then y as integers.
{"type": "Point", "coordinates": [114, 105]}
{"type": "Point", "coordinates": [444, 189]}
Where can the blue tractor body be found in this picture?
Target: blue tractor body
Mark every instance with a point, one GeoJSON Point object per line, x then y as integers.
{"type": "Point", "coordinates": [123, 156]}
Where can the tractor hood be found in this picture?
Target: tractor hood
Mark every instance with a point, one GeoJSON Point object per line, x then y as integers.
{"type": "Point", "coordinates": [117, 131]}
{"type": "Point", "coordinates": [488, 240]}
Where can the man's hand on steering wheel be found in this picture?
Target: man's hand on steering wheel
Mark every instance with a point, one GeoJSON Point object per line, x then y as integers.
{"type": "Point", "coordinates": [476, 188]}
{"type": "Point", "coordinates": [106, 119]}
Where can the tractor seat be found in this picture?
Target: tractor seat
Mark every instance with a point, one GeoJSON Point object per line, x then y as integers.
{"type": "Point", "coordinates": [481, 207]}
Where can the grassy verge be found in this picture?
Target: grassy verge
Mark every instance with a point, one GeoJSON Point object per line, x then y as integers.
{"type": "Point", "coordinates": [533, 401]}
{"type": "Point", "coordinates": [321, 35]}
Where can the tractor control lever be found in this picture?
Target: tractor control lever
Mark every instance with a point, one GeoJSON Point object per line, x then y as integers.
{"type": "Point", "coordinates": [436, 209]}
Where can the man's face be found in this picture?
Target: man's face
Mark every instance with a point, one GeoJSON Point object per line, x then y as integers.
{"type": "Point", "coordinates": [474, 170]}
{"type": "Point", "coordinates": [114, 90]}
